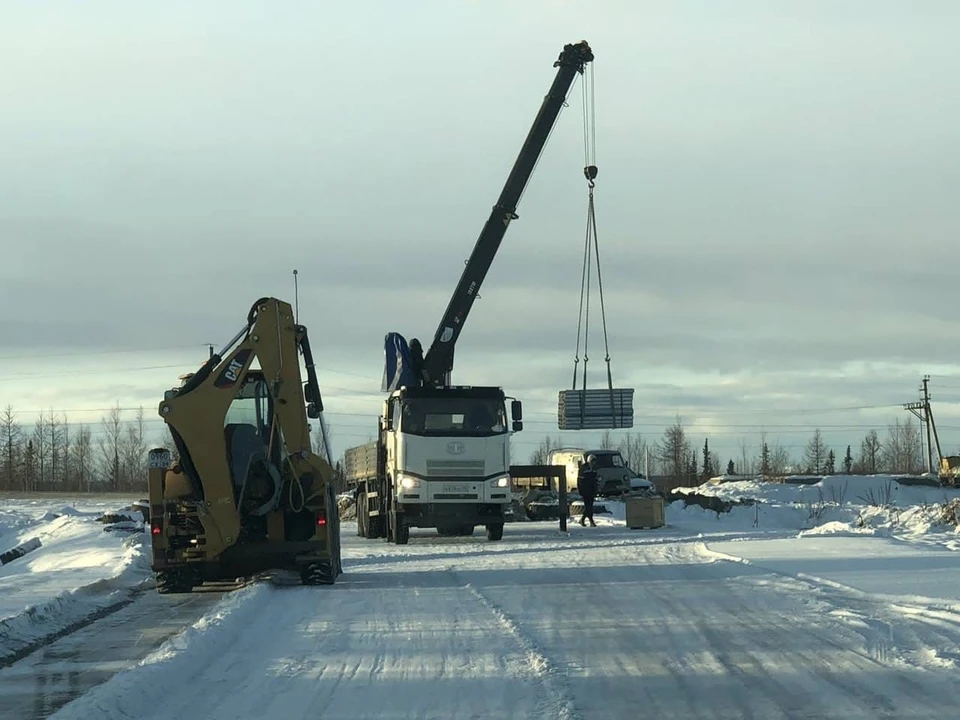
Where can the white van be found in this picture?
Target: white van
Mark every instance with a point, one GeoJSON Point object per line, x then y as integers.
{"type": "Point", "coordinates": [615, 477]}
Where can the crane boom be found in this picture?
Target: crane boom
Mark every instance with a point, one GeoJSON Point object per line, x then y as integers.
{"type": "Point", "coordinates": [437, 364]}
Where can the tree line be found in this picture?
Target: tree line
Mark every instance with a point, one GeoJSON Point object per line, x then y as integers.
{"type": "Point", "coordinates": [676, 462]}
{"type": "Point", "coordinates": [53, 454]}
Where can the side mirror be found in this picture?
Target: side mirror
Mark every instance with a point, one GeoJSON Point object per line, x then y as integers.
{"type": "Point", "coordinates": [312, 411]}
{"type": "Point", "coordinates": [517, 426]}
{"type": "Point", "coordinates": [516, 410]}
{"type": "Point", "coordinates": [312, 399]}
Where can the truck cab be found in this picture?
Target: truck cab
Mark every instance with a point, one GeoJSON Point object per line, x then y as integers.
{"type": "Point", "coordinates": [615, 477]}
{"type": "Point", "coordinates": [443, 460]}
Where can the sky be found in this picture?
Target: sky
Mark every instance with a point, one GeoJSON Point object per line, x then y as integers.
{"type": "Point", "coordinates": [775, 205]}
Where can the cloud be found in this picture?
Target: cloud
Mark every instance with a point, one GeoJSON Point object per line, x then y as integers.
{"type": "Point", "coordinates": [775, 200]}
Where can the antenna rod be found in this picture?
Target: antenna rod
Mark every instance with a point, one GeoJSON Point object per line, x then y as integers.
{"type": "Point", "coordinates": [296, 298]}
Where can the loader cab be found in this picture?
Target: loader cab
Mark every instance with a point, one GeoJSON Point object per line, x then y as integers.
{"type": "Point", "coordinates": [255, 457]}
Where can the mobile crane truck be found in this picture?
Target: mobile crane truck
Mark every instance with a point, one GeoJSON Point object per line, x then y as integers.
{"type": "Point", "coordinates": [442, 454]}
{"type": "Point", "coordinates": [246, 494]}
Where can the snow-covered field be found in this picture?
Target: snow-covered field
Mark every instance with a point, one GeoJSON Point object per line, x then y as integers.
{"type": "Point", "coordinates": [79, 569]}
{"type": "Point", "coordinates": [840, 600]}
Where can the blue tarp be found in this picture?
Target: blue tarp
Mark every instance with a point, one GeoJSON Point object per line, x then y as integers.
{"type": "Point", "coordinates": [398, 363]}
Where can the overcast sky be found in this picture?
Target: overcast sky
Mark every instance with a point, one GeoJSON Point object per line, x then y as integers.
{"type": "Point", "coordinates": [776, 203]}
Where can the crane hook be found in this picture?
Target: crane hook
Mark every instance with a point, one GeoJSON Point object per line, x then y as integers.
{"type": "Point", "coordinates": [590, 173]}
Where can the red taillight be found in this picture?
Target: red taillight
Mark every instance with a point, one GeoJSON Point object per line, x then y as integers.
{"type": "Point", "coordinates": [321, 520]}
{"type": "Point", "coordinates": [156, 527]}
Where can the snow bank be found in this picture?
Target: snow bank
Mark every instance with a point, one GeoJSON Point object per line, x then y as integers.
{"type": "Point", "coordinates": [851, 504]}
{"type": "Point", "coordinates": [79, 570]}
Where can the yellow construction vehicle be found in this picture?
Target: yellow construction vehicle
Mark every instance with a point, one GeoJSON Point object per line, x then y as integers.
{"type": "Point", "coordinates": [246, 494]}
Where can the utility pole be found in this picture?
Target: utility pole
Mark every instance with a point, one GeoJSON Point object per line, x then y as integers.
{"type": "Point", "coordinates": [927, 418]}
{"type": "Point", "coordinates": [922, 410]}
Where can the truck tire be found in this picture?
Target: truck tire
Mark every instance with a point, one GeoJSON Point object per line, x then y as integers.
{"type": "Point", "coordinates": [465, 530]}
{"type": "Point", "coordinates": [374, 528]}
{"type": "Point", "coordinates": [495, 532]}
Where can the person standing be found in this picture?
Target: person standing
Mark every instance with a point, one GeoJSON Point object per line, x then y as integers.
{"type": "Point", "coordinates": [587, 482]}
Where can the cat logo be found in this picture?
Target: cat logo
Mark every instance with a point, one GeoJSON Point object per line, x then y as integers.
{"type": "Point", "coordinates": [233, 370]}
{"type": "Point", "coordinates": [230, 375]}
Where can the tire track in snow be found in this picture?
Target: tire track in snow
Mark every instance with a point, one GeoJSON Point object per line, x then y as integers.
{"type": "Point", "coordinates": [558, 703]}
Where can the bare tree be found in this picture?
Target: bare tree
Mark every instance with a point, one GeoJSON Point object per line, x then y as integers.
{"type": "Point", "coordinates": [673, 452]}
{"type": "Point", "coordinates": [816, 453]}
{"type": "Point", "coordinates": [133, 453]}
{"type": "Point", "coordinates": [539, 456]}
{"type": "Point", "coordinates": [109, 446]}
{"type": "Point", "coordinates": [54, 434]}
{"type": "Point", "coordinates": [870, 454]}
{"type": "Point", "coordinates": [41, 450]}
{"type": "Point", "coordinates": [30, 467]}
{"type": "Point", "coordinates": [901, 453]}
{"type": "Point", "coordinates": [606, 441]}
{"type": "Point", "coordinates": [747, 466]}
{"type": "Point", "coordinates": [779, 459]}
{"type": "Point", "coordinates": [11, 449]}
{"type": "Point", "coordinates": [81, 456]}
{"type": "Point", "coordinates": [634, 449]}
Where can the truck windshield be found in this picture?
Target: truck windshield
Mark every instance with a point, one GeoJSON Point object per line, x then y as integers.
{"type": "Point", "coordinates": [607, 460]}
{"type": "Point", "coordinates": [453, 416]}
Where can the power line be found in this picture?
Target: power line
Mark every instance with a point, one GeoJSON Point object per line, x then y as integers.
{"type": "Point", "coordinates": [90, 353]}
{"type": "Point", "coordinates": [111, 371]}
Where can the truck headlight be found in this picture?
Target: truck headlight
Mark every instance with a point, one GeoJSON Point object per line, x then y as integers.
{"type": "Point", "coordinates": [500, 482]}
{"type": "Point", "coordinates": [407, 482]}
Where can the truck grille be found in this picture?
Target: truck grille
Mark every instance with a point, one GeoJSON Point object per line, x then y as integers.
{"type": "Point", "coordinates": [455, 468]}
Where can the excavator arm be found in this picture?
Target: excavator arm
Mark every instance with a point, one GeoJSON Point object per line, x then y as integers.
{"type": "Point", "coordinates": [243, 438]}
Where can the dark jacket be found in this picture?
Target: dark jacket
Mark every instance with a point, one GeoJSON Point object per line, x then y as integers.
{"type": "Point", "coordinates": [587, 481]}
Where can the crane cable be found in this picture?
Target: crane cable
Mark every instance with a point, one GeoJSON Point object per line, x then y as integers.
{"type": "Point", "coordinates": [591, 251]}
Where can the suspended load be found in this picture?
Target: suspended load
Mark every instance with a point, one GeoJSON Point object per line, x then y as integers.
{"type": "Point", "coordinates": [597, 409]}
{"type": "Point", "coordinates": [607, 408]}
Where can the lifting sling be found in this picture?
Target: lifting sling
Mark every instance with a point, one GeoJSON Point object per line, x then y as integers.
{"type": "Point", "coordinates": [595, 409]}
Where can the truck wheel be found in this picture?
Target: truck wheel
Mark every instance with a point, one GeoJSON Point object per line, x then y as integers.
{"type": "Point", "coordinates": [465, 530]}
{"type": "Point", "coordinates": [402, 533]}
{"type": "Point", "coordinates": [495, 532]}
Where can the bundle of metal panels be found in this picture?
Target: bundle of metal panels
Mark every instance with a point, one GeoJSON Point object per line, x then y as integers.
{"type": "Point", "coordinates": [601, 409]}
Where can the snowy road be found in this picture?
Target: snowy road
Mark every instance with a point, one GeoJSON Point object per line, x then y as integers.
{"type": "Point", "coordinates": [36, 686]}
{"type": "Point", "coordinates": [607, 623]}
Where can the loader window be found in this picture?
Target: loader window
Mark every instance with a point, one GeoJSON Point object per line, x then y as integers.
{"type": "Point", "coordinates": [250, 407]}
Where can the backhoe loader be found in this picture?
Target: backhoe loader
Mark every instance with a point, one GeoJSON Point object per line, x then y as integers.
{"type": "Point", "coordinates": [245, 493]}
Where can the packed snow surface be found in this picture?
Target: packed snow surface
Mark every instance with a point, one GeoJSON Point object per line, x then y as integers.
{"type": "Point", "coordinates": [81, 567]}
{"type": "Point", "coordinates": [792, 607]}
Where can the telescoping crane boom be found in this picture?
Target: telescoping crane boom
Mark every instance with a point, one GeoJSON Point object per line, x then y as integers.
{"type": "Point", "coordinates": [441, 458]}
{"type": "Point", "coordinates": [436, 366]}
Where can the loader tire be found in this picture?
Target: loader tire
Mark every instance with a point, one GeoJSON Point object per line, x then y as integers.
{"type": "Point", "coordinates": [495, 532]}
{"type": "Point", "coordinates": [173, 581]}
{"type": "Point", "coordinates": [318, 573]}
